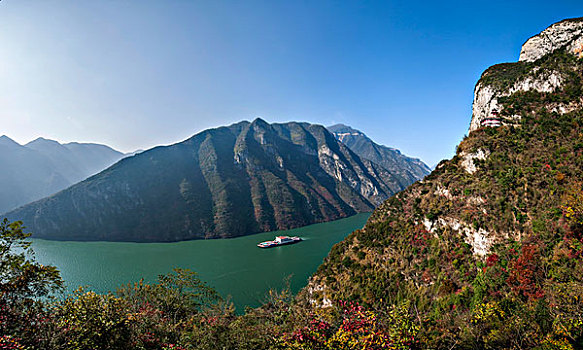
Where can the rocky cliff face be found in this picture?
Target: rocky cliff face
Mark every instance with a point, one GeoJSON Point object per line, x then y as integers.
{"type": "Point", "coordinates": [224, 182]}
{"type": "Point", "coordinates": [406, 169]}
{"type": "Point", "coordinates": [566, 34]}
{"type": "Point", "coordinates": [565, 37]}
{"type": "Point", "coordinates": [494, 227]}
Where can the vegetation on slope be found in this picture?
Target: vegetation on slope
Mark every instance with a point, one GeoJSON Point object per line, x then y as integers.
{"type": "Point", "coordinates": [179, 312]}
{"type": "Point", "coordinates": [224, 182]}
{"type": "Point", "coordinates": [403, 281]}
{"type": "Point", "coordinates": [484, 253]}
{"type": "Point", "coordinates": [523, 201]}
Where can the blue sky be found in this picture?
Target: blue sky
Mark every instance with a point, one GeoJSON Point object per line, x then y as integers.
{"type": "Point", "coordinates": [135, 74]}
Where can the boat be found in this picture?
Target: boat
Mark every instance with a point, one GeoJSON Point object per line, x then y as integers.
{"type": "Point", "coordinates": [279, 240]}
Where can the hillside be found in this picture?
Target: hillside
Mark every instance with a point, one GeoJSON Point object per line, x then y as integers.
{"type": "Point", "coordinates": [224, 182]}
{"type": "Point", "coordinates": [43, 167]}
{"type": "Point", "coordinates": [407, 169]}
{"type": "Point", "coordinates": [486, 251]}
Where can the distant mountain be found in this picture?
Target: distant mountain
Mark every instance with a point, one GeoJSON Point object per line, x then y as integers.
{"type": "Point", "coordinates": [94, 157]}
{"type": "Point", "coordinates": [224, 182]}
{"type": "Point", "coordinates": [406, 169]}
{"type": "Point", "coordinates": [43, 167]}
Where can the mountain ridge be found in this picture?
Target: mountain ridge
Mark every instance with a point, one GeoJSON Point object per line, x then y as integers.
{"type": "Point", "coordinates": [43, 167]}
{"type": "Point", "coordinates": [223, 182]}
{"type": "Point", "coordinates": [406, 168]}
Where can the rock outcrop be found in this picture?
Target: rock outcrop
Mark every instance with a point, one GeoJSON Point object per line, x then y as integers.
{"type": "Point", "coordinates": [406, 169]}
{"type": "Point", "coordinates": [566, 36]}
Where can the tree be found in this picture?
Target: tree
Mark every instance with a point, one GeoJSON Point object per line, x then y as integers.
{"type": "Point", "coordinates": [21, 278]}
{"type": "Point", "coordinates": [23, 282]}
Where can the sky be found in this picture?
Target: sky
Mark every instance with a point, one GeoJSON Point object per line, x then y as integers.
{"type": "Point", "coordinates": [136, 74]}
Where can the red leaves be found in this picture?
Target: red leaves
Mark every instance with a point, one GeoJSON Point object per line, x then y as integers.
{"type": "Point", "coordinates": [526, 274]}
{"type": "Point", "coordinates": [492, 260]}
{"type": "Point", "coordinates": [317, 331]}
{"type": "Point", "coordinates": [210, 320]}
{"type": "Point", "coordinates": [10, 343]}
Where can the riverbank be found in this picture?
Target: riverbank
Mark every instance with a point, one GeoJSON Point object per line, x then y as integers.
{"type": "Point", "coordinates": [234, 267]}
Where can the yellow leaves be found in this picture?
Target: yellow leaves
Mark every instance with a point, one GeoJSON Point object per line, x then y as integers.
{"type": "Point", "coordinates": [361, 329]}
{"type": "Point", "coordinates": [558, 344]}
{"type": "Point", "coordinates": [573, 204]}
{"type": "Point", "coordinates": [487, 312]}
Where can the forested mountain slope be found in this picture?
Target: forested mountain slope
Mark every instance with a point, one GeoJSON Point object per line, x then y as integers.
{"type": "Point", "coordinates": [224, 182]}
{"type": "Point", "coordinates": [487, 251]}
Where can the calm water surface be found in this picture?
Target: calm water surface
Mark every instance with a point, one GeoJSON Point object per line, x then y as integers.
{"type": "Point", "coordinates": [233, 266]}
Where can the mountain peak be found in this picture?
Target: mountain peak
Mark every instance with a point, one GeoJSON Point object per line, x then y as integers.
{"type": "Point", "coordinates": [42, 140]}
{"type": "Point", "coordinates": [343, 128]}
{"type": "Point", "coordinates": [564, 34]}
{"type": "Point", "coordinates": [407, 169]}
{"type": "Point", "coordinates": [7, 141]}
{"type": "Point", "coordinates": [224, 182]}
{"type": "Point", "coordinates": [555, 51]}
{"type": "Point", "coordinates": [259, 122]}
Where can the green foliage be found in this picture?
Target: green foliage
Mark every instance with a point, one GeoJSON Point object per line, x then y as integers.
{"type": "Point", "coordinates": [91, 321]}
{"type": "Point", "coordinates": [21, 278]}
{"type": "Point", "coordinates": [525, 197]}
{"type": "Point", "coordinates": [23, 285]}
{"type": "Point", "coordinates": [177, 295]}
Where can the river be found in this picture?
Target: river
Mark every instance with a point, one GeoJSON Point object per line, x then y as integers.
{"type": "Point", "coordinates": [234, 266]}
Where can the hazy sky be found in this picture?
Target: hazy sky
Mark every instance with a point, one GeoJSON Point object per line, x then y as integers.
{"type": "Point", "coordinates": [135, 74]}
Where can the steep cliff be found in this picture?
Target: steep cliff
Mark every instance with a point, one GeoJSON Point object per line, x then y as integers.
{"type": "Point", "coordinates": [536, 71]}
{"type": "Point", "coordinates": [224, 182]}
{"type": "Point", "coordinates": [486, 251]}
{"type": "Point", "coordinates": [406, 169]}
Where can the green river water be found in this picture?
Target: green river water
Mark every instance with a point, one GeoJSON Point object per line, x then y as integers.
{"type": "Point", "coordinates": [234, 267]}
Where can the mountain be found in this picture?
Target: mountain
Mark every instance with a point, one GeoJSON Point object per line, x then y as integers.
{"type": "Point", "coordinates": [43, 167]}
{"type": "Point", "coordinates": [487, 251]}
{"type": "Point", "coordinates": [92, 157]}
{"type": "Point", "coordinates": [407, 169]}
{"type": "Point", "coordinates": [224, 182]}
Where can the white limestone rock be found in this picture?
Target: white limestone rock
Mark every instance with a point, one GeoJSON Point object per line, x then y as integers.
{"type": "Point", "coordinates": [481, 240]}
{"type": "Point", "coordinates": [316, 290]}
{"type": "Point", "coordinates": [468, 159]}
{"type": "Point", "coordinates": [566, 33]}
{"type": "Point", "coordinates": [355, 177]}
{"type": "Point", "coordinates": [486, 96]}
{"type": "Point", "coordinates": [443, 192]}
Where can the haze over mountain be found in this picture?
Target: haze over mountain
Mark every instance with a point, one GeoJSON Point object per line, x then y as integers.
{"type": "Point", "coordinates": [43, 167]}
{"type": "Point", "coordinates": [223, 182]}
{"type": "Point", "coordinates": [407, 169]}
